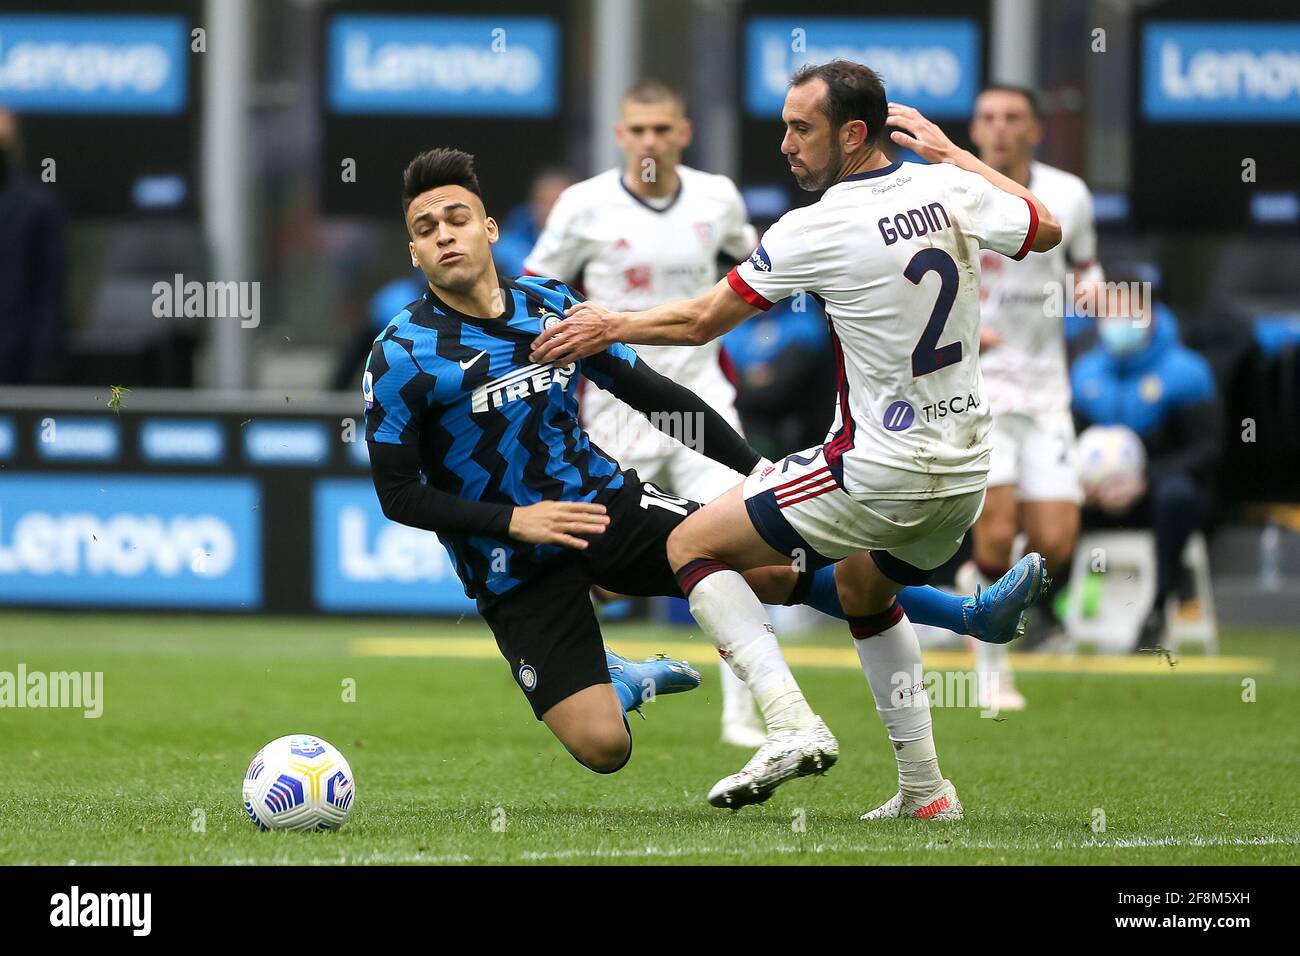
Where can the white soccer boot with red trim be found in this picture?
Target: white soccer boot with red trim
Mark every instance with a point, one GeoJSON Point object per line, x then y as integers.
{"type": "Point", "coordinates": [942, 804]}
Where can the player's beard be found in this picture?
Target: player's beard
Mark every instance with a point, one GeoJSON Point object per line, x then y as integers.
{"type": "Point", "coordinates": [814, 180]}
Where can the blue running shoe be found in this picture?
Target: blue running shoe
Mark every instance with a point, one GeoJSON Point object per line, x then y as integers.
{"type": "Point", "coordinates": [996, 615]}
{"type": "Point", "coordinates": [644, 680]}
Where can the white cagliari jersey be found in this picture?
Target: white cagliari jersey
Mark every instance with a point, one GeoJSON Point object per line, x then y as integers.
{"type": "Point", "coordinates": [1023, 302]}
{"type": "Point", "coordinates": [894, 255]}
{"type": "Point", "coordinates": [631, 255]}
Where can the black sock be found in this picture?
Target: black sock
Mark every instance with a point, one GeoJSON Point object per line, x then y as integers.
{"type": "Point", "coordinates": [802, 588]}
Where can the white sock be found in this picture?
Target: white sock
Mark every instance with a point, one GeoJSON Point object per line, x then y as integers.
{"type": "Point", "coordinates": [734, 619]}
{"type": "Point", "coordinates": [892, 662]}
{"type": "Point", "coordinates": [992, 666]}
{"type": "Point", "coordinates": [737, 701]}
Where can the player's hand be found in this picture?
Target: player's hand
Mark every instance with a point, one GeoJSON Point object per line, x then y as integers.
{"type": "Point", "coordinates": [585, 332]}
{"type": "Point", "coordinates": [920, 135]}
{"type": "Point", "coordinates": [989, 339]}
{"type": "Point", "coordinates": [1116, 495]}
{"type": "Point", "coordinates": [557, 522]}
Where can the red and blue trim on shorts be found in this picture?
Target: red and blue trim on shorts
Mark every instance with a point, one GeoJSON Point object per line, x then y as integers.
{"type": "Point", "coordinates": [765, 513]}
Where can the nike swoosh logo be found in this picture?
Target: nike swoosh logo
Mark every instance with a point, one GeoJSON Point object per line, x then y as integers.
{"type": "Point", "coordinates": [464, 366]}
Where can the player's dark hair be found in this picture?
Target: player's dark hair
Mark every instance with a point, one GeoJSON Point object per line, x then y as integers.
{"type": "Point", "coordinates": [1030, 96]}
{"type": "Point", "coordinates": [653, 91]}
{"type": "Point", "coordinates": [438, 167]}
{"type": "Point", "coordinates": [853, 92]}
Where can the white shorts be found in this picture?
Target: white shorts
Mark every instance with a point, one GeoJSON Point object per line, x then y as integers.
{"type": "Point", "coordinates": [800, 510]}
{"type": "Point", "coordinates": [685, 473]}
{"type": "Point", "coordinates": [627, 436]}
{"type": "Point", "coordinates": [1035, 453]}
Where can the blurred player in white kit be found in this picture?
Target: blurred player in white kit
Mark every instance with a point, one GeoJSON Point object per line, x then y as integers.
{"type": "Point", "coordinates": [1033, 484]}
{"type": "Point", "coordinates": [636, 237]}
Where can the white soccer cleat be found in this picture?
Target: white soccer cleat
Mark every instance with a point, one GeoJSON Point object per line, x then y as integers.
{"type": "Point", "coordinates": [940, 805]}
{"type": "Point", "coordinates": [997, 692]}
{"type": "Point", "coordinates": [743, 735]}
{"type": "Point", "coordinates": [783, 756]}
{"type": "Point", "coordinates": [1008, 698]}
{"type": "Point", "coordinates": [741, 732]}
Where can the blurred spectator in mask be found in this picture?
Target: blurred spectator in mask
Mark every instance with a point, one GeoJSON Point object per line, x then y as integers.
{"type": "Point", "coordinates": [1080, 321]}
{"type": "Point", "coordinates": [1140, 375]}
{"type": "Point", "coordinates": [524, 223]}
{"type": "Point", "coordinates": [31, 268]}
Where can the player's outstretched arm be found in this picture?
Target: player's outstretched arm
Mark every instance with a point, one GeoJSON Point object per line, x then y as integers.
{"type": "Point", "coordinates": [407, 500]}
{"type": "Point", "coordinates": [592, 328]}
{"type": "Point", "coordinates": [931, 143]}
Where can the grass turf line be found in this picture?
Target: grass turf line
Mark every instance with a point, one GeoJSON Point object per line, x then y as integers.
{"type": "Point", "coordinates": [1184, 770]}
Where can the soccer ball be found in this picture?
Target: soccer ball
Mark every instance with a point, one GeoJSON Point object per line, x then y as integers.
{"type": "Point", "coordinates": [1112, 465]}
{"type": "Point", "coordinates": [298, 782]}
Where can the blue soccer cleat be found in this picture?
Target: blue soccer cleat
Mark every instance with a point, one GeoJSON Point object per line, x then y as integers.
{"type": "Point", "coordinates": [640, 681]}
{"type": "Point", "coordinates": [996, 615]}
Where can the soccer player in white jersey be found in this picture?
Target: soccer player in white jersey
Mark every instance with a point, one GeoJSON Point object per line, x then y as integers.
{"type": "Point", "coordinates": [635, 237]}
{"type": "Point", "coordinates": [1033, 484]}
{"type": "Point", "coordinates": [892, 249]}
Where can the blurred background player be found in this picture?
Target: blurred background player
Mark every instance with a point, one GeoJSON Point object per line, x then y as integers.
{"type": "Point", "coordinates": [1032, 486]}
{"type": "Point", "coordinates": [636, 237]}
{"type": "Point", "coordinates": [1140, 375]}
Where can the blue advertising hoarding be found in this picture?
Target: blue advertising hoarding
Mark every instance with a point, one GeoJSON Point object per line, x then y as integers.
{"type": "Point", "coordinates": [932, 64]}
{"type": "Point", "coordinates": [78, 438]}
{"type": "Point", "coordinates": [443, 65]}
{"type": "Point", "coordinates": [182, 441]}
{"type": "Point", "coordinates": [364, 562]}
{"type": "Point", "coordinates": [130, 540]}
{"type": "Point", "coordinates": [1215, 72]}
{"type": "Point", "coordinates": [289, 443]}
{"type": "Point", "coordinates": [83, 63]}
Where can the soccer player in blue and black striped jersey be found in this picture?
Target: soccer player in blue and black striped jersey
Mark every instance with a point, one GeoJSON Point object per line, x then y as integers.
{"type": "Point", "coordinates": [471, 440]}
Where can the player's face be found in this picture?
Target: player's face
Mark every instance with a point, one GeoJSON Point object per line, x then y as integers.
{"type": "Point", "coordinates": [809, 146]}
{"type": "Point", "coordinates": [545, 194]}
{"type": "Point", "coordinates": [1003, 128]}
{"type": "Point", "coordinates": [451, 237]}
{"type": "Point", "coordinates": [653, 136]}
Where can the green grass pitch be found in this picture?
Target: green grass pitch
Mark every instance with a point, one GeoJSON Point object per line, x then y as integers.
{"type": "Point", "coordinates": [452, 768]}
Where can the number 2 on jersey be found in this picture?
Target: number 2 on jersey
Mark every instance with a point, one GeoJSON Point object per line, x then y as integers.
{"type": "Point", "coordinates": [925, 357]}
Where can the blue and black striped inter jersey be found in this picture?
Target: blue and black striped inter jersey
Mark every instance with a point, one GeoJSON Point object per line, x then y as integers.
{"type": "Point", "coordinates": [489, 424]}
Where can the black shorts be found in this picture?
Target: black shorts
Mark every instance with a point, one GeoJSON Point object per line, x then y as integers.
{"type": "Point", "coordinates": [546, 627]}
